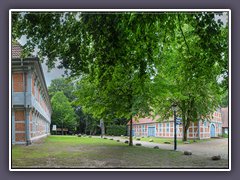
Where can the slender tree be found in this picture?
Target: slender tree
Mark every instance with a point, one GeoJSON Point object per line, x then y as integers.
{"type": "Point", "coordinates": [63, 114]}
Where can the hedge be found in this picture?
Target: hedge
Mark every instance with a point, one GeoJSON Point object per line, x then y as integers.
{"type": "Point", "coordinates": [116, 130]}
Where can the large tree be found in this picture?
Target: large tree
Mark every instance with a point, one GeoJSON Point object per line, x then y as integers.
{"type": "Point", "coordinates": [124, 54]}
{"type": "Point", "coordinates": [189, 69]}
{"type": "Point", "coordinates": [63, 114]}
{"type": "Point", "coordinates": [62, 84]}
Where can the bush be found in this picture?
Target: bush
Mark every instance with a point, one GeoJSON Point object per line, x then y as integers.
{"type": "Point", "coordinates": [116, 130]}
{"type": "Point", "coordinates": [225, 135]}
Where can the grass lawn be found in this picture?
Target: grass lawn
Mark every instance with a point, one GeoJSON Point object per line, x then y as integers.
{"type": "Point", "coordinates": [171, 140]}
{"type": "Point", "coordinates": [85, 152]}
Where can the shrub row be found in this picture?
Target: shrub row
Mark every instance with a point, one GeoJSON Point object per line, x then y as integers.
{"type": "Point", "coordinates": [116, 130]}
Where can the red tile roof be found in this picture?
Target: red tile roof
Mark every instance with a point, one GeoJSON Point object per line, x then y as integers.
{"type": "Point", "coordinates": [16, 51]}
{"type": "Point", "coordinates": [145, 120]}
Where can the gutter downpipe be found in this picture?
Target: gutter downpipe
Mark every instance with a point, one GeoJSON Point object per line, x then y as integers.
{"type": "Point", "coordinates": [28, 142]}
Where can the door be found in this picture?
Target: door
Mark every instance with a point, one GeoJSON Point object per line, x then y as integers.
{"type": "Point", "coordinates": [133, 133]}
{"type": "Point", "coordinates": [212, 130]}
{"type": "Point", "coordinates": [151, 131]}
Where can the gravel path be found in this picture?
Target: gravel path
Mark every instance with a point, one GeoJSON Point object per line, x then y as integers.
{"type": "Point", "coordinates": [208, 148]}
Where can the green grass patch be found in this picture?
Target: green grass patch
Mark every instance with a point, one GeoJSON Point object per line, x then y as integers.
{"type": "Point", "coordinates": [84, 152]}
{"type": "Point", "coordinates": [171, 140]}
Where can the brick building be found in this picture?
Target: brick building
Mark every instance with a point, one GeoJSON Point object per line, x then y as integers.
{"type": "Point", "coordinates": [31, 108]}
{"type": "Point", "coordinates": [224, 112]}
{"type": "Point", "coordinates": [199, 130]}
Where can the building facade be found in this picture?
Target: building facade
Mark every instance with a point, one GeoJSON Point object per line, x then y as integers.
{"type": "Point", "coordinates": [224, 112]}
{"type": "Point", "coordinates": [197, 130]}
{"type": "Point", "coordinates": [31, 107]}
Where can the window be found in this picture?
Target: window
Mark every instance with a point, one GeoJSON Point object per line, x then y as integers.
{"type": "Point", "coordinates": [160, 127]}
{"type": "Point", "coordinates": [205, 123]}
{"type": "Point", "coordinates": [167, 127]}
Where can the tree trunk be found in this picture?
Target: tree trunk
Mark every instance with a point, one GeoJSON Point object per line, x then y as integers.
{"type": "Point", "coordinates": [184, 137]}
{"type": "Point", "coordinates": [130, 132]}
{"type": "Point", "coordinates": [185, 128]}
{"type": "Point", "coordinates": [184, 133]}
{"type": "Point", "coordinates": [62, 127]}
{"type": "Point", "coordinates": [86, 126]}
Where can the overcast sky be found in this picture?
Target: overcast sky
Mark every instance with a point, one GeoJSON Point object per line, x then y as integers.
{"type": "Point", "coordinates": [53, 74]}
{"type": "Point", "coordinates": [57, 73]}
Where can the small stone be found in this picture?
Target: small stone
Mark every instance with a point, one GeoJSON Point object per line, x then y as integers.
{"type": "Point", "coordinates": [79, 135]}
{"type": "Point", "coordinates": [167, 142]}
{"type": "Point", "coordinates": [126, 142]}
{"type": "Point", "coordinates": [121, 135]}
{"type": "Point", "coordinates": [150, 140]}
{"type": "Point", "coordinates": [187, 153]}
{"type": "Point", "coordinates": [155, 147]}
{"type": "Point", "coordinates": [216, 157]}
{"type": "Point", "coordinates": [138, 144]}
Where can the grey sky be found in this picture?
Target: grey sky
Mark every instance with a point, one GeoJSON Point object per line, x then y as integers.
{"type": "Point", "coordinates": [53, 74]}
{"type": "Point", "coordinates": [49, 75]}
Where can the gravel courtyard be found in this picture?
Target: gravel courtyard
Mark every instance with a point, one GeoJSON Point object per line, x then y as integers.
{"type": "Point", "coordinates": [209, 148]}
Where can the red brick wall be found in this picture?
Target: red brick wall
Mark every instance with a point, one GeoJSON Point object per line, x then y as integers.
{"type": "Point", "coordinates": [18, 84]}
{"type": "Point", "coordinates": [20, 137]}
{"type": "Point", "coordinates": [217, 117]}
{"type": "Point", "coordinates": [19, 115]}
{"type": "Point", "coordinates": [19, 126]}
{"type": "Point", "coordinates": [33, 81]}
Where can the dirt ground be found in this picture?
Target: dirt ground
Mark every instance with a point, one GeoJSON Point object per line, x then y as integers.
{"type": "Point", "coordinates": [209, 148]}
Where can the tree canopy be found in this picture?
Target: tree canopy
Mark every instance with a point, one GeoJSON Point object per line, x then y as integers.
{"type": "Point", "coordinates": [133, 63]}
{"type": "Point", "coordinates": [63, 114]}
{"type": "Point", "coordinates": [189, 69]}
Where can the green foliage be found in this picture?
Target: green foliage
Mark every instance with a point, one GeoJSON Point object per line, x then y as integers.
{"type": "Point", "coordinates": [189, 69]}
{"type": "Point", "coordinates": [116, 130]}
{"type": "Point", "coordinates": [224, 100]}
{"type": "Point", "coordinates": [85, 123]}
{"type": "Point", "coordinates": [224, 135]}
{"type": "Point", "coordinates": [62, 84]}
{"type": "Point", "coordinates": [63, 113]}
{"type": "Point", "coordinates": [133, 63]}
